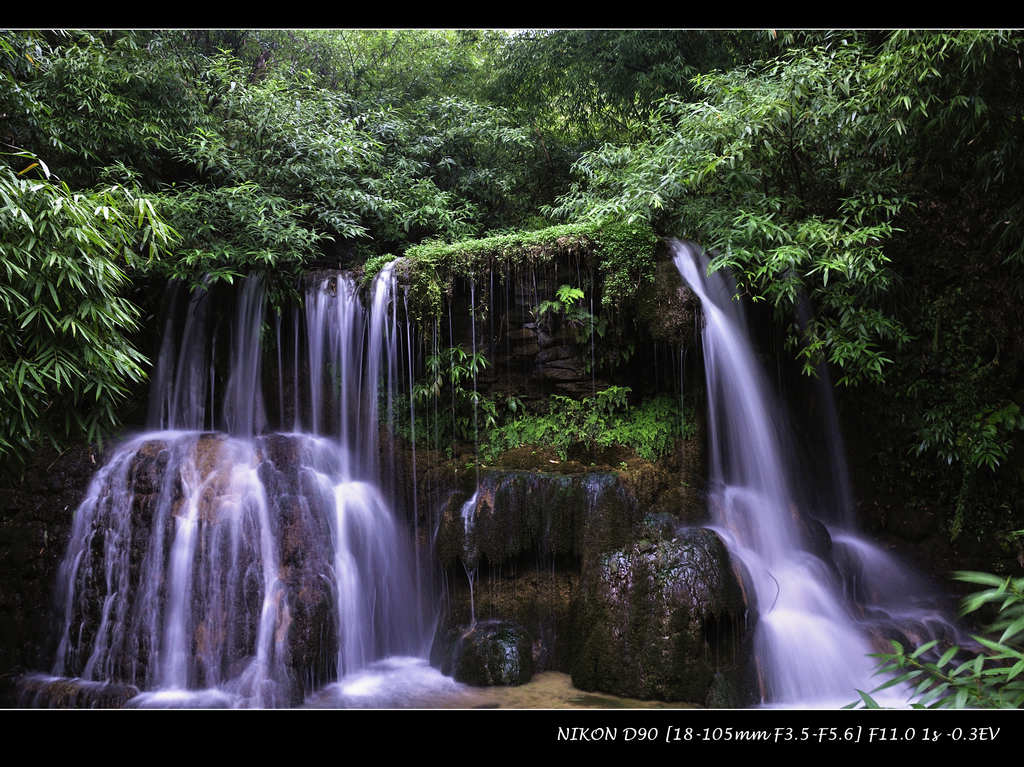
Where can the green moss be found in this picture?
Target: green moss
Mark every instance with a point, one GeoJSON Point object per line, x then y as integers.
{"type": "Point", "coordinates": [469, 257]}
{"type": "Point", "coordinates": [373, 266]}
{"type": "Point", "coordinates": [626, 260]}
{"type": "Point", "coordinates": [489, 653]}
{"type": "Point", "coordinates": [623, 254]}
{"type": "Point", "coordinates": [659, 618]}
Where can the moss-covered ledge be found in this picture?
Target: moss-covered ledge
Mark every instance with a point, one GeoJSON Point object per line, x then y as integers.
{"type": "Point", "coordinates": [623, 255]}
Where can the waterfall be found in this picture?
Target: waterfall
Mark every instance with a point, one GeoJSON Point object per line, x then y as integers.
{"type": "Point", "coordinates": [243, 398]}
{"type": "Point", "coordinates": [811, 640]}
{"type": "Point", "coordinates": [231, 556]}
{"type": "Point", "coordinates": [240, 566]}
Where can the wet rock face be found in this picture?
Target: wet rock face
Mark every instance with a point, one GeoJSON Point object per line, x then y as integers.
{"type": "Point", "coordinates": [526, 535]}
{"type": "Point", "coordinates": [536, 597]}
{"type": "Point", "coordinates": [668, 307]}
{"type": "Point", "coordinates": [36, 511]}
{"type": "Point", "coordinates": [816, 537]}
{"type": "Point", "coordinates": [524, 513]}
{"type": "Point", "coordinates": [37, 691]}
{"type": "Point", "coordinates": [660, 619]}
{"type": "Point", "coordinates": [305, 555]}
{"type": "Point", "coordinates": [489, 653]}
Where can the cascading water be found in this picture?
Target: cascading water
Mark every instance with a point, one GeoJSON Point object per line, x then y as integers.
{"type": "Point", "coordinates": [217, 563]}
{"type": "Point", "coordinates": [811, 643]}
{"type": "Point", "coordinates": [212, 568]}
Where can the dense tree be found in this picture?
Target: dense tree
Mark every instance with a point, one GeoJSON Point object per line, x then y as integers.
{"type": "Point", "coordinates": [835, 167]}
{"type": "Point", "coordinates": [873, 174]}
{"type": "Point", "coordinates": [260, 150]}
{"type": "Point", "coordinates": [66, 359]}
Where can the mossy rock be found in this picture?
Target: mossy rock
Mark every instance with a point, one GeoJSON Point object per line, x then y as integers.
{"type": "Point", "coordinates": [624, 255]}
{"type": "Point", "coordinates": [537, 597]}
{"type": "Point", "coordinates": [38, 691]}
{"type": "Point", "coordinates": [538, 514]}
{"type": "Point", "coordinates": [728, 690]}
{"type": "Point", "coordinates": [660, 618]}
{"type": "Point", "coordinates": [489, 653]}
{"type": "Point", "coordinates": [668, 307]}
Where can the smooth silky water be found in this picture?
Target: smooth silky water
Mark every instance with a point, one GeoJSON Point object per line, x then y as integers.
{"type": "Point", "coordinates": [818, 620]}
{"type": "Point", "coordinates": [199, 540]}
{"type": "Point", "coordinates": [181, 586]}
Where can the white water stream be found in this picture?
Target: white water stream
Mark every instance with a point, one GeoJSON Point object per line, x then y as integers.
{"type": "Point", "coordinates": [194, 586]}
{"type": "Point", "coordinates": [811, 642]}
{"type": "Point", "coordinates": [209, 552]}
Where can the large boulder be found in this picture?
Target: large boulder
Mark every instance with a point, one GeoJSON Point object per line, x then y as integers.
{"type": "Point", "coordinates": [40, 691]}
{"type": "Point", "coordinates": [662, 618]}
{"type": "Point", "coordinates": [533, 514]}
{"type": "Point", "coordinates": [487, 653]}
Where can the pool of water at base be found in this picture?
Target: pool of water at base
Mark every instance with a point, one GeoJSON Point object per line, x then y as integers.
{"type": "Point", "coordinates": [399, 682]}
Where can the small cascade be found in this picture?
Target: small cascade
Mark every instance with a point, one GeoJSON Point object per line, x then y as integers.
{"type": "Point", "coordinates": [182, 382]}
{"type": "Point", "coordinates": [243, 397]}
{"type": "Point", "coordinates": [593, 354]}
{"type": "Point", "coordinates": [817, 619]}
{"type": "Point", "coordinates": [412, 440]}
{"type": "Point", "coordinates": [164, 501]}
{"type": "Point", "coordinates": [470, 555]}
{"type": "Point", "coordinates": [473, 365]}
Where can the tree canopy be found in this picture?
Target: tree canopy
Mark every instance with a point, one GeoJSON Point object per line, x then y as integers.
{"type": "Point", "coordinates": [825, 169]}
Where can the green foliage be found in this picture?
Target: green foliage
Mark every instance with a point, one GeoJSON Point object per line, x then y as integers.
{"type": "Point", "coordinates": [955, 99]}
{"type": "Point", "coordinates": [449, 409]}
{"type": "Point", "coordinates": [981, 440]}
{"type": "Point", "coordinates": [603, 420]}
{"type": "Point", "coordinates": [396, 145]}
{"type": "Point", "coordinates": [66, 361]}
{"type": "Point", "coordinates": [990, 679]}
{"type": "Point", "coordinates": [375, 67]}
{"type": "Point", "coordinates": [373, 266]}
{"type": "Point", "coordinates": [626, 260]}
{"type": "Point", "coordinates": [953, 405]}
{"type": "Point", "coordinates": [432, 267]}
{"type": "Point", "coordinates": [86, 100]}
{"type": "Point", "coordinates": [566, 306]}
{"type": "Point", "coordinates": [268, 150]}
{"type": "Point", "coordinates": [229, 231]}
{"type": "Point", "coordinates": [589, 86]}
{"type": "Point", "coordinates": [564, 303]}
{"type": "Point", "coordinates": [779, 171]}
{"type": "Point", "coordinates": [623, 253]}
{"type": "Point", "coordinates": [449, 382]}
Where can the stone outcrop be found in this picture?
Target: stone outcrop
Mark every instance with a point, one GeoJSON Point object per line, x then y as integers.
{"type": "Point", "coordinates": [487, 653]}
{"type": "Point", "coordinates": [661, 618]}
{"type": "Point", "coordinates": [628, 599]}
{"type": "Point", "coordinates": [36, 511]}
{"type": "Point", "coordinates": [530, 513]}
{"type": "Point", "coordinates": [38, 691]}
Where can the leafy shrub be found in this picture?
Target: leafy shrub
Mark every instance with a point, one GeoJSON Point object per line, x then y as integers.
{"type": "Point", "coordinates": [990, 679]}
{"type": "Point", "coordinates": [463, 411]}
{"type": "Point", "coordinates": [603, 420]}
{"type": "Point", "coordinates": [66, 356]}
